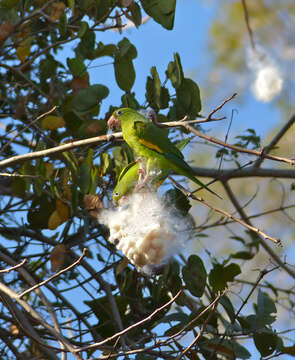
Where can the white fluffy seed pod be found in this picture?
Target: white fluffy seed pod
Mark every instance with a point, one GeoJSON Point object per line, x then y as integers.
{"type": "Point", "coordinates": [145, 230]}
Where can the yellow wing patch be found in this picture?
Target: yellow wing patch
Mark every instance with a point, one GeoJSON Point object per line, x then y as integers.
{"type": "Point", "coordinates": [150, 145]}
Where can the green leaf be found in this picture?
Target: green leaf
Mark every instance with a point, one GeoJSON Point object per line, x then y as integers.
{"type": "Point", "coordinates": [88, 98]}
{"type": "Point", "coordinates": [244, 255]}
{"type": "Point", "coordinates": [265, 341]}
{"type": "Point", "coordinates": [85, 48]}
{"type": "Point", "coordinates": [135, 14]}
{"type": "Point", "coordinates": [19, 187]}
{"type": "Point", "coordinates": [194, 275]}
{"type": "Point", "coordinates": [40, 211]}
{"type": "Point", "coordinates": [71, 4]}
{"type": "Point", "coordinates": [238, 238]}
{"type": "Point", "coordinates": [179, 317]}
{"type": "Point", "coordinates": [84, 179]}
{"type": "Point", "coordinates": [83, 29]}
{"type": "Point", "coordinates": [47, 68]}
{"type": "Point", "coordinates": [93, 180]}
{"type": "Point", "coordinates": [188, 97]}
{"type": "Point", "coordinates": [105, 50]}
{"type": "Point", "coordinates": [124, 73]}
{"type": "Point", "coordinates": [126, 49]}
{"type": "Point", "coordinates": [156, 95]}
{"type": "Point", "coordinates": [220, 275]}
{"type": "Point", "coordinates": [8, 4]}
{"type": "Point", "coordinates": [265, 307]}
{"type": "Point", "coordinates": [175, 197]}
{"type": "Point", "coordinates": [73, 121]}
{"type": "Point", "coordinates": [175, 72]}
{"type": "Point", "coordinates": [102, 8]}
{"type": "Point", "coordinates": [128, 100]}
{"type": "Point", "coordinates": [77, 67]}
{"type": "Point", "coordinates": [228, 307]}
{"type": "Point", "coordinates": [62, 24]}
{"type": "Point", "coordinates": [230, 349]}
{"type": "Point", "coordinates": [105, 163]}
{"type": "Point", "coordinates": [162, 11]}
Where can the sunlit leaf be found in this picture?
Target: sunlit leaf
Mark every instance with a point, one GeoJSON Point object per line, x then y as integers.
{"type": "Point", "coordinates": [63, 210]}
{"type": "Point", "coordinates": [54, 220]}
{"type": "Point", "coordinates": [52, 122]}
{"type": "Point", "coordinates": [57, 257]}
{"type": "Point", "coordinates": [24, 49]}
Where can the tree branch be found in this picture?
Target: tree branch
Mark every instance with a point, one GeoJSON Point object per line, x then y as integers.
{"type": "Point", "coordinates": [238, 148]}
{"type": "Point", "coordinates": [148, 318]}
{"type": "Point", "coordinates": [15, 267]}
{"type": "Point", "coordinates": [77, 262]}
{"type": "Point", "coordinates": [263, 243]}
{"type": "Point", "coordinates": [276, 139]}
{"type": "Point", "coordinates": [223, 212]}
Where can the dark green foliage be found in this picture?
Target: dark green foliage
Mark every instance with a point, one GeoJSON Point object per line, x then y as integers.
{"type": "Point", "coordinates": [123, 65]}
{"type": "Point", "coordinates": [194, 275]}
{"type": "Point", "coordinates": [162, 11]}
{"type": "Point", "coordinates": [156, 95]}
{"type": "Point", "coordinates": [90, 97]}
{"type": "Point", "coordinates": [220, 275]}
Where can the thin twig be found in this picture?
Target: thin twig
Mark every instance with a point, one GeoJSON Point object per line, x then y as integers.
{"type": "Point", "coordinates": [188, 325]}
{"type": "Point", "coordinates": [11, 294]}
{"type": "Point", "coordinates": [25, 325]}
{"type": "Point", "coordinates": [19, 176]}
{"type": "Point", "coordinates": [263, 243]}
{"type": "Point", "coordinates": [246, 16]}
{"type": "Point", "coordinates": [221, 105]}
{"type": "Point", "coordinates": [223, 212]}
{"type": "Point", "coordinates": [148, 318]}
{"type": "Point", "coordinates": [5, 271]}
{"type": "Point", "coordinates": [57, 149]}
{"type": "Point", "coordinates": [213, 305]}
{"type": "Point", "coordinates": [260, 277]}
{"type": "Point", "coordinates": [238, 148]}
{"type": "Point", "coordinates": [275, 140]}
{"type": "Point", "coordinates": [27, 127]}
{"type": "Point", "coordinates": [77, 262]}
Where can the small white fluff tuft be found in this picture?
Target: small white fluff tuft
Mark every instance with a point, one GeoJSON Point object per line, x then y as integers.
{"type": "Point", "coordinates": [147, 231]}
{"type": "Point", "coordinates": [268, 79]}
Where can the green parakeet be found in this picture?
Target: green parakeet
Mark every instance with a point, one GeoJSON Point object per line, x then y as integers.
{"type": "Point", "coordinates": [128, 178]}
{"type": "Point", "coordinates": [151, 144]}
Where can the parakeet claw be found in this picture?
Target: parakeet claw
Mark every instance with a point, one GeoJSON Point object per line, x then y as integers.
{"type": "Point", "coordinates": [141, 171]}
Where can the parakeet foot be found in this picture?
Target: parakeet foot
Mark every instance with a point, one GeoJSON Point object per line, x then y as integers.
{"type": "Point", "coordinates": [141, 171]}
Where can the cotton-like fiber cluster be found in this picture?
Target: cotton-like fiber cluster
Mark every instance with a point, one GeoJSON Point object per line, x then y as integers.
{"type": "Point", "coordinates": [146, 230]}
{"type": "Point", "coordinates": [268, 80]}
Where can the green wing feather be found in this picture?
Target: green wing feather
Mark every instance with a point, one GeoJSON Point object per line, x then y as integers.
{"type": "Point", "coordinates": [152, 143]}
{"type": "Point", "coordinates": [155, 138]}
{"type": "Point", "coordinates": [126, 169]}
{"type": "Point", "coordinates": [150, 136]}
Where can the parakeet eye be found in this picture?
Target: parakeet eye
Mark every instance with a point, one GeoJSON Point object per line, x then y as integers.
{"type": "Point", "coordinates": [116, 194]}
{"type": "Point", "coordinates": [119, 112]}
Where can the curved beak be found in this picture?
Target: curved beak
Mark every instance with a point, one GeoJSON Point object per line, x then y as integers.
{"type": "Point", "coordinates": [113, 123]}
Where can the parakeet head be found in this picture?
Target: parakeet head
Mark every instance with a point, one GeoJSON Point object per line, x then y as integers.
{"type": "Point", "coordinates": [127, 181]}
{"type": "Point", "coordinates": [118, 197]}
{"type": "Point", "coordinates": [118, 116]}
